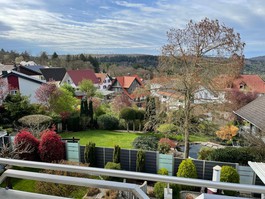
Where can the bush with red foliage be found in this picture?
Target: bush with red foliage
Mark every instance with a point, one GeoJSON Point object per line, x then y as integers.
{"type": "Point", "coordinates": [171, 143]}
{"type": "Point", "coordinates": [51, 147]}
{"type": "Point", "coordinates": [27, 146]}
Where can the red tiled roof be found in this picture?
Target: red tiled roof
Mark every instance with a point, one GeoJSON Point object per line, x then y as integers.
{"type": "Point", "coordinates": [101, 77]}
{"type": "Point", "coordinates": [78, 75]}
{"type": "Point", "coordinates": [253, 83]}
{"type": "Point", "coordinates": [126, 81]}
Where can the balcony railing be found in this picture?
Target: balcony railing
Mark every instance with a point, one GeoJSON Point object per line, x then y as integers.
{"type": "Point", "coordinates": [135, 189]}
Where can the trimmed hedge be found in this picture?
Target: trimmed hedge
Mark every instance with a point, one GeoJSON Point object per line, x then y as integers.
{"type": "Point", "coordinates": [235, 155]}
{"type": "Point", "coordinates": [108, 122]}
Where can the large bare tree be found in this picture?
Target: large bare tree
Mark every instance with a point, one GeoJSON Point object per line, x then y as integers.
{"type": "Point", "coordinates": [195, 55]}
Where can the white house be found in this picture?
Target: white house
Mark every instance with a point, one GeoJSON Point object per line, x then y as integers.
{"type": "Point", "coordinates": [105, 81]}
{"type": "Point", "coordinates": [74, 77]}
{"type": "Point", "coordinates": [25, 84]}
{"type": "Point", "coordinates": [204, 95]}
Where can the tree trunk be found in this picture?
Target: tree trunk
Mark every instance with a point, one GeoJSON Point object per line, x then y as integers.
{"type": "Point", "coordinates": [127, 126]}
{"type": "Point", "coordinates": [133, 126]}
{"type": "Point", "coordinates": [140, 126]}
{"type": "Point", "coordinates": [187, 110]}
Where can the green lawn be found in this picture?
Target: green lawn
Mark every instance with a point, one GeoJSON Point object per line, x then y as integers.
{"type": "Point", "coordinates": [103, 138]}
{"type": "Point", "coordinates": [200, 138]}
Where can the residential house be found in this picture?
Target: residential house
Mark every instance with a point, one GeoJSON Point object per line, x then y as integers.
{"type": "Point", "coordinates": [28, 63]}
{"type": "Point", "coordinates": [74, 77]}
{"type": "Point", "coordinates": [53, 74]}
{"type": "Point", "coordinates": [171, 99]}
{"type": "Point", "coordinates": [105, 81]}
{"type": "Point", "coordinates": [6, 68]}
{"type": "Point", "coordinates": [126, 85]}
{"type": "Point", "coordinates": [25, 84]}
{"type": "Point", "coordinates": [31, 70]}
{"type": "Point", "coordinates": [206, 95]}
{"type": "Point", "coordinates": [253, 115]}
{"type": "Point", "coordinates": [248, 83]}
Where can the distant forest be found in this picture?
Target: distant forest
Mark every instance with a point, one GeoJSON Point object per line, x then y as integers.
{"type": "Point", "coordinates": [114, 64]}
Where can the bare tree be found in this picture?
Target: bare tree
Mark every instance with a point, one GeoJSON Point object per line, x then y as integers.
{"type": "Point", "coordinates": [197, 54]}
{"type": "Point", "coordinates": [3, 89]}
{"type": "Point", "coordinates": [15, 151]}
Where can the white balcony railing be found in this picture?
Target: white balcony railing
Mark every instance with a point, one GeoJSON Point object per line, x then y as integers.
{"type": "Point", "coordinates": [115, 173]}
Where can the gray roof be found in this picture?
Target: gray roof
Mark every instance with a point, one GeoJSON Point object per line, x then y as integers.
{"type": "Point", "coordinates": [53, 74]}
{"type": "Point", "coordinates": [254, 112]}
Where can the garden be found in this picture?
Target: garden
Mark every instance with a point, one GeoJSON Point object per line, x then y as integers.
{"type": "Point", "coordinates": [39, 129]}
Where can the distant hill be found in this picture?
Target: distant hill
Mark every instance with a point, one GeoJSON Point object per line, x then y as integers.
{"type": "Point", "coordinates": [134, 60]}
{"type": "Point", "coordinates": [255, 65]}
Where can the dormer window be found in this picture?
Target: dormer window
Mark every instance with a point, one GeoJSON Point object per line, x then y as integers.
{"type": "Point", "coordinates": [242, 86]}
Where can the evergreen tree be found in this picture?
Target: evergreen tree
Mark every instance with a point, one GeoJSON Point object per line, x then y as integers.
{"type": "Point", "coordinates": [91, 112]}
{"type": "Point", "coordinates": [54, 55]}
{"type": "Point", "coordinates": [150, 114]}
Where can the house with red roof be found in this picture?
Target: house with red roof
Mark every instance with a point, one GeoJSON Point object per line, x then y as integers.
{"type": "Point", "coordinates": [126, 85]}
{"type": "Point", "coordinates": [105, 81]}
{"type": "Point", "coordinates": [248, 83]}
{"type": "Point", "coordinates": [74, 77]}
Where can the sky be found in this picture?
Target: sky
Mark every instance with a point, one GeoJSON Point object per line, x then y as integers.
{"type": "Point", "coordinates": [120, 27]}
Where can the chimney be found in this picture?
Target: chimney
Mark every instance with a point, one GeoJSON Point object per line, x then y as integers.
{"type": "Point", "coordinates": [4, 72]}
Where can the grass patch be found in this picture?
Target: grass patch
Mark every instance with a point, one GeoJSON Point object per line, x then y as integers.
{"type": "Point", "coordinates": [200, 138]}
{"type": "Point", "coordinates": [103, 138]}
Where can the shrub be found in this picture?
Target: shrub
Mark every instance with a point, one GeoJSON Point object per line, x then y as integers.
{"type": "Point", "coordinates": [159, 190]}
{"type": "Point", "coordinates": [171, 143]}
{"type": "Point", "coordinates": [235, 155]}
{"type": "Point", "coordinates": [51, 147]}
{"type": "Point", "coordinates": [36, 123]}
{"type": "Point", "coordinates": [62, 190]}
{"type": "Point", "coordinates": [28, 144]}
{"type": "Point", "coordinates": [229, 174]}
{"type": "Point", "coordinates": [140, 161]}
{"type": "Point", "coordinates": [92, 191]}
{"type": "Point", "coordinates": [146, 142]}
{"type": "Point", "coordinates": [163, 148]}
{"type": "Point", "coordinates": [73, 122]}
{"type": "Point", "coordinates": [116, 154]}
{"type": "Point", "coordinates": [204, 153]}
{"type": "Point", "coordinates": [167, 128]}
{"type": "Point", "coordinates": [163, 171]}
{"type": "Point", "coordinates": [108, 122]}
{"type": "Point", "coordinates": [111, 194]}
{"type": "Point", "coordinates": [115, 166]}
{"type": "Point", "coordinates": [187, 169]}
{"type": "Point", "coordinates": [90, 154]}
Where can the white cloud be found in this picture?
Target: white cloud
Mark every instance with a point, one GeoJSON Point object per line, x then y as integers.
{"type": "Point", "coordinates": [121, 24]}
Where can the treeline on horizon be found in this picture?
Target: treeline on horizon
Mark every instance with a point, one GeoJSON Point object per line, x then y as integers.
{"type": "Point", "coordinates": [115, 65]}
{"type": "Point", "coordinates": [103, 63]}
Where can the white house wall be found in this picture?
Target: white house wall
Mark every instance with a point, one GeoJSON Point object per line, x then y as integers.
{"type": "Point", "coordinates": [106, 84]}
{"type": "Point", "coordinates": [205, 96]}
{"type": "Point", "coordinates": [28, 88]}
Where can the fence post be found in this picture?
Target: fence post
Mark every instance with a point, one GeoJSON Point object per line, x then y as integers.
{"type": "Point", "coordinates": [104, 155]}
{"type": "Point", "coordinates": [130, 160]}
{"type": "Point", "coordinates": [203, 170]}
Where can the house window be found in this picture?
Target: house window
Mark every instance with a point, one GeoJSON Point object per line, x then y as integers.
{"type": "Point", "coordinates": [68, 81]}
{"type": "Point", "coordinates": [109, 80]}
{"type": "Point", "coordinates": [13, 92]}
{"type": "Point", "coordinates": [104, 87]}
{"type": "Point", "coordinates": [165, 97]}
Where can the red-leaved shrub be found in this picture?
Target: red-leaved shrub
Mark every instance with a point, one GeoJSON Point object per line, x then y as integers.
{"type": "Point", "coordinates": [168, 141]}
{"type": "Point", "coordinates": [27, 146]}
{"type": "Point", "coordinates": [51, 147]}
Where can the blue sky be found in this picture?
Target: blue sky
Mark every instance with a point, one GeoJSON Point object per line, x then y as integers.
{"type": "Point", "coordinates": [120, 27]}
